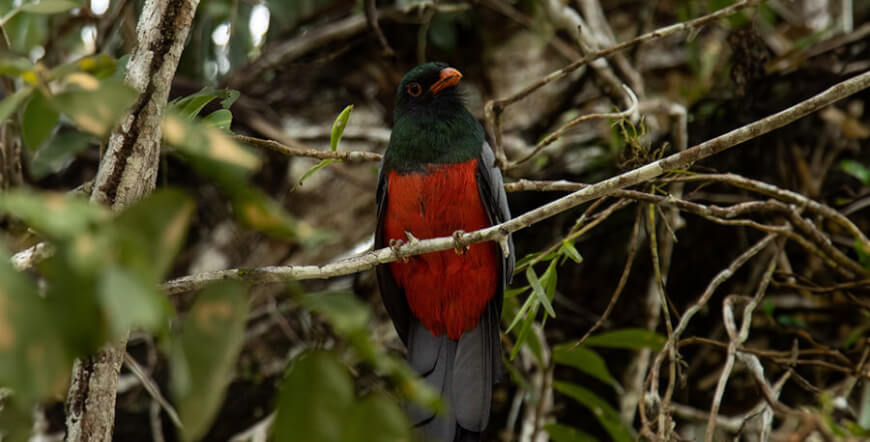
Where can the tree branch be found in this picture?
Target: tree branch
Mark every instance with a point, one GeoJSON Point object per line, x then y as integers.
{"type": "Point", "coordinates": [299, 150]}
{"type": "Point", "coordinates": [127, 172]}
{"type": "Point", "coordinates": [499, 232]}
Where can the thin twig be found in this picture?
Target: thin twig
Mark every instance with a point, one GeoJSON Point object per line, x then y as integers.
{"type": "Point", "coordinates": [632, 251]}
{"type": "Point", "coordinates": [582, 230]}
{"type": "Point", "coordinates": [423, 32]}
{"type": "Point", "coordinates": [778, 193]}
{"type": "Point", "coordinates": [300, 150]}
{"type": "Point", "coordinates": [736, 338]}
{"type": "Point", "coordinates": [152, 389]}
{"type": "Point", "coordinates": [690, 312]}
{"type": "Point", "coordinates": [658, 286]}
{"type": "Point", "coordinates": [372, 19]}
{"type": "Point", "coordinates": [631, 102]}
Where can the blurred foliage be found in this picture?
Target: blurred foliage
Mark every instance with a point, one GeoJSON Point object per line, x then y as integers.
{"type": "Point", "coordinates": [204, 354]}
{"type": "Point", "coordinates": [320, 404]}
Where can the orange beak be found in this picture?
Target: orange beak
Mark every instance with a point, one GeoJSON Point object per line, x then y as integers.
{"type": "Point", "coordinates": [449, 77]}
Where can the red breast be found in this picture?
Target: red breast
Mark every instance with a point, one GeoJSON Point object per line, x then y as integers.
{"type": "Point", "coordinates": [448, 292]}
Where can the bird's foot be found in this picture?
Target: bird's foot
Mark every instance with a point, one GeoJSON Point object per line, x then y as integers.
{"type": "Point", "coordinates": [461, 246]}
{"type": "Point", "coordinates": [397, 244]}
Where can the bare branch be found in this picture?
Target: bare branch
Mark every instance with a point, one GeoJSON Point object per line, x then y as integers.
{"type": "Point", "coordinates": [631, 102]}
{"type": "Point", "coordinates": [721, 277]}
{"type": "Point", "coordinates": [372, 19]}
{"type": "Point", "coordinates": [623, 279]}
{"type": "Point", "coordinates": [736, 338]}
{"type": "Point", "coordinates": [779, 193]}
{"type": "Point", "coordinates": [299, 150]}
{"type": "Point", "coordinates": [152, 388]}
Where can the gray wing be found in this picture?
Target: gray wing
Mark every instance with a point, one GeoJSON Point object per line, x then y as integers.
{"type": "Point", "coordinates": [491, 186]}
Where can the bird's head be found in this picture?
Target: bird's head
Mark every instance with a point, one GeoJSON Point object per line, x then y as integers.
{"type": "Point", "coordinates": [428, 88]}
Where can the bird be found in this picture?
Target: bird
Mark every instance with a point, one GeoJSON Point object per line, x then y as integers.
{"type": "Point", "coordinates": [438, 177]}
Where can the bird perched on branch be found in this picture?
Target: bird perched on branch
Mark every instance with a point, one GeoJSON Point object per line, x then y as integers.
{"type": "Point", "coordinates": [438, 177]}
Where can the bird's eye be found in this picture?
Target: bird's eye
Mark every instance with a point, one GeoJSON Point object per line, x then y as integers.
{"type": "Point", "coordinates": [414, 89]}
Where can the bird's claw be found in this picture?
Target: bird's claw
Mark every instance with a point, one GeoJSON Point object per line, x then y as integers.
{"type": "Point", "coordinates": [461, 247]}
{"type": "Point", "coordinates": [397, 244]}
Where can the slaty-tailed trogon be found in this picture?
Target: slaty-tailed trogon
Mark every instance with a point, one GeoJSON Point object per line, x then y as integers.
{"type": "Point", "coordinates": [438, 176]}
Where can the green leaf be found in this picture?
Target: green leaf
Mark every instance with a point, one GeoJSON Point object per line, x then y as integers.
{"type": "Point", "coordinates": [49, 6]}
{"type": "Point", "coordinates": [152, 231]}
{"type": "Point", "coordinates": [525, 329]}
{"type": "Point", "coordinates": [606, 415]}
{"type": "Point", "coordinates": [585, 360]}
{"type": "Point", "coordinates": [37, 121]}
{"type": "Point", "coordinates": [522, 313]}
{"type": "Point", "coordinates": [120, 68]}
{"type": "Point", "coordinates": [863, 253]}
{"type": "Point", "coordinates": [94, 106]}
{"type": "Point", "coordinates": [567, 249]}
{"type": "Point", "coordinates": [629, 338]}
{"type": "Point", "coordinates": [191, 105]}
{"type": "Point", "coordinates": [130, 303]}
{"type": "Point", "coordinates": [57, 215]}
{"type": "Point", "coordinates": [549, 280]}
{"type": "Point", "coordinates": [203, 142]}
{"type": "Point", "coordinates": [204, 355]}
{"type": "Point", "coordinates": [864, 417]}
{"type": "Point", "coordinates": [857, 170]}
{"type": "Point", "coordinates": [525, 260]}
{"type": "Point", "coordinates": [215, 155]}
{"type": "Point", "coordinates": [57, 153]}
{"type": "Point", "coordinates": [14, 66]}
{"type": "Point", "coordinates": [533, 341]}
{"type": "Point", "coordinates": [100, 66]}
{"type": "Point", "coordinates": [320, 165]}
{"type": "Point", "coordinates": [346, 313]}
{"type": "Point", "coordinates": [11, 102]}
{"type": "Point", "coordinates": [315, 398]}
{"type": "Point", "coordinates": [538, 290]}
{"type": "Point", "coordinates": [33, 358]}
{"type": "Point", "coordinates": [338, 127]}
{"type": "Point", "coordinates": [513, 292]}
{"type": "Point", "coordinates": [230, 97]}
{"type": "Point", "coordinates": [221, 119]}
{"type": "Point", "coordinates": [254, 209]}
{"type": "Point", "coordinates": [376, 412]}
{"type": "Point", "coordinates": [564, 433]}
{"type": "Point", "coordinates": [15, 423]}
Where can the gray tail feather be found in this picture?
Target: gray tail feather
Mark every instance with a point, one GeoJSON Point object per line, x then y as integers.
{"type": "Point", "coordinates": [463, 372]}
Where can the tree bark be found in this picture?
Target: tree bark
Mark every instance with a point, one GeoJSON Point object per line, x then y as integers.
{"type": "Point", "coordinates": [10, 153]}
{"type": "Point", "coordinates": [127, 172]}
